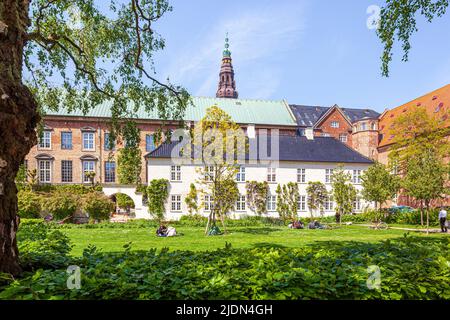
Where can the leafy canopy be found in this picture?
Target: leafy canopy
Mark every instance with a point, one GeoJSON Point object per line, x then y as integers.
{"type": "Point", "coordinates": [81, 53]}
{"type": "Point", "coordinates": [398, 22]}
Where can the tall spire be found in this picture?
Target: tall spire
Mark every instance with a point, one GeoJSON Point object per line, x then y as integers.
{"type": "Point", "coordinates": [227, 85]}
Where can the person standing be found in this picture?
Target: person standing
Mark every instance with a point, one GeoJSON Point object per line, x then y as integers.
{"type": "Point", "coordinates": [443, 219]}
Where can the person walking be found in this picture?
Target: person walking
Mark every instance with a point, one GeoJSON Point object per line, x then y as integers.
{"type": "Point", "coordinates": [443, 219]}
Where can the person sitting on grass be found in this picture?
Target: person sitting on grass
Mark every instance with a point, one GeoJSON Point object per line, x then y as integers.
{"type": "Point", "coordinates": [297, 224]}
{"type": "Point", "coordinates": [162, 231]}
{"type": "Point", "coordinates": [312, 224]}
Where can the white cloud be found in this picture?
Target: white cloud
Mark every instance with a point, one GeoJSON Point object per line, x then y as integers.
{"type": "Point", "coordinates": [257, 37]}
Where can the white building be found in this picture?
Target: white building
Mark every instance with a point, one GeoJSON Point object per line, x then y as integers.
{"type": "Point", "coordinates": [301, 160]}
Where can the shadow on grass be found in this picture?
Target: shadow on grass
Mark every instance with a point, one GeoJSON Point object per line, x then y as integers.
{"type": "Point", "coordinates": [264, 230]}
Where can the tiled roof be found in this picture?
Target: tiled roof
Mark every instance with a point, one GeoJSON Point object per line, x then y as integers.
{"type": "Point", "coordinates": [243, 111]}
{"type": "Point", "coordinates": [292, 148]}
{"type": "Point", "coordinates": [436, 103]}
{"type": "Point", "coordinates": [307, 116]}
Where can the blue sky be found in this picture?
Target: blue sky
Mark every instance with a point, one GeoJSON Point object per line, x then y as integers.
{"type": "Point", "coordinates": [315, 52]}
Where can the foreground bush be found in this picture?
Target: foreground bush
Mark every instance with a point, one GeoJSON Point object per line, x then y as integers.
{"type": "Point", "coordinates": [40, 246]}
{"type": "Point", "coordinates": [29, 204]}
{"type": "Point", "coordinates": [411, 268]}
{"type": "Point", "coordinates": [98, 206]}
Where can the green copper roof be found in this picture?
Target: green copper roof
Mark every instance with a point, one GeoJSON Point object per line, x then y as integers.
{"type": "Point", "coordinates": [243, 111]}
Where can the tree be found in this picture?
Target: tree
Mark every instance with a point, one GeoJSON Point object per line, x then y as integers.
{"type": "Point", "coordinates": [344, 193]}
{"type": "Point", "coordinates": [425, 179]}
{"type": "Point", "coordinates": [47, 60]}
{"type": "Point", "coordinates": [379, 185]}
{"type": "Point", "coordinates": [287, 201]}
{"type": "Point", "coordinates": [317, 195]}
{"type": "Point", "coordinates": [221, 144]}
{"type": "Point", "coordinates": [398, 20]}
{"type": "Point", "coordinates": [415, 133]}
{"type": "Point", "coordinates": [257, 193]}
{"type": "Point", "coordinates": [191, 199]}
{"type": "Point", "coordinates": [129, 165]}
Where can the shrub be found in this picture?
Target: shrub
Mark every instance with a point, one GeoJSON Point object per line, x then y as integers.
{"type": "Point", "coordinates": [61, 204]}
{"type": "Point", "coordinates": [40, 246]}
{"type": "Point", "coordinates": [98, 206]}
{"type": "Point", "coordinates": [123, 201]}
{"type": "Point", "coordinates": [29, 204]}
{"type": "Point", "coordinates": [411, 268]}
{"type": "Point", "coordinates": [157, 193]}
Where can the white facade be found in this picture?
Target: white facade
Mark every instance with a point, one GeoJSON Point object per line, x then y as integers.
{"type": "Point", "coordinates": [180, 180]}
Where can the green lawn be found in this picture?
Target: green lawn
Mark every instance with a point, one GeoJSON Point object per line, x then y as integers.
{"type": "Point", "coordinates": [113, 239]}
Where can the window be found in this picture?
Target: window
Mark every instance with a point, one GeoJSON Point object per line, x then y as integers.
{"type": "Point", "coordinates": [334, 124]}
{"type": "Point", "coordinates": [149, 143]}
{"type": "Point", "coordinates": [66, 140]}
{"type": "Point", "coordinates": [271, 203]}
{"type": "Point", "coordinates": [301, 175]}
{"type": "Point", "coordinates": [240, 177]}
{"type": "Point", "coordinates": [329, 203]}
{"type": "Point", "coordinates": [45, 141]}
{"type": "Point", "coordinates": [302, 203]}
{"type": "Point", "coordinates": [209, 173]}
{"type": "Point", "coordinates": [328, 174]}
{"type": "Point", "coordinates": [110, 171]}
{"type": "Point", "coordinates": [374, 126]}
{"type": "Point", "coordinates": [240, 203]}
{"type": "Point", "coordinates": [44, 171]}
{"type": "Point", "coordinates": [25, 164]}
{"type": "Point", "coordinates": [271, 174]}
{"type": "Point", "coordinates": [324, 134]}
{"type": "Point", "coordinates": [66, 171]}
{"type": "Point", "coordinates": [88, 140]}
{"type": "Point", "coordinates": [88, 166]}
{"type": "Point", "coordinates": [363, 126]}
{"type": "Point", "coordinates": [343, 137]}
{"type": "Point", "coordinates": [106, 146]}
{"type": "Point", "coordinates": [208, 203]}
{"type": "Point", "coordinates": [356, 176]}
{"type": "Point", "coordinates": [175, 173]}
{"type": "Point", "coordinates": [175, 203]}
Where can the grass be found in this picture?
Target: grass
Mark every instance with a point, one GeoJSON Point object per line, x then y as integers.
{"type": "Point", "coordinates": [113, 239]}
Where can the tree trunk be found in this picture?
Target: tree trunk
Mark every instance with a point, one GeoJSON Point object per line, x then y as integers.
{"type": "Point", "coordinates": [427, 203]}
{"type": "Point", "coordinates": [421, 212]}
{"type": "Point", "coordinates": [207, 224]}
{"type": "Point", "coordinates": [18, 120]}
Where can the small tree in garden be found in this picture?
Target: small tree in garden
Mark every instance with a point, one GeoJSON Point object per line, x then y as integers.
{"type": "Point", "coordinates": [425, 179]}
{"type": "Point", "coordinates": [191, 199]}
{"type": "Point", "coordinates": [221, 144]}
{"type": "Point", "coordinates": [157, 192]}
{"type": "Point", "coordinates": [343, 192]}
{"type": "Point", "coordinates": [91, 176]}
{"type": "Point", "coordinates": [98, 206]}
{"type": "Point", "coordinates": [61, 205]}
{"type": "Point", "coordinates": [316, 196]}
{"type": "Point", "coordinates": [129, 165]}
{"type": "Point", "coordinates": [32, 179]}
{"type": "Point", "coordinates": [379, 184]}
{"type": "Point", "coordinates": [287, 201]}
{"type": "Point", "coordinates": [257, 193]}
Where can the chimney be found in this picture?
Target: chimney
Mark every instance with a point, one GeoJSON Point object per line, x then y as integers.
{"type": "Point", "coordinates": [309, 133]}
